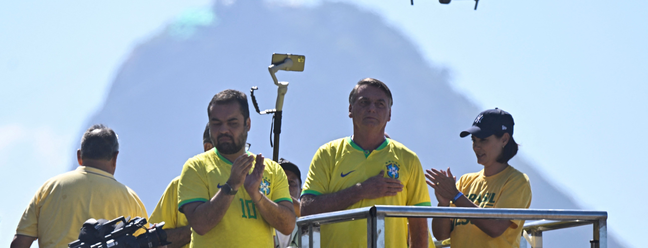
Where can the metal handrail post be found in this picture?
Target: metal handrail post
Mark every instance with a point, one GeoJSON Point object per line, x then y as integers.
{"type": "Point", "coordinates": [375, 229]}
{"type": "Point", "coordinates": [371, 228]}
{"type": "Point", "coordinates": [310, 236]}
{"type": "Point", "coordinates": [603, 233]}
{"type": "Point", "coordinates": [600, 234]}
{"type": "Point", "coordinates": [534, 238]}
{"type": "Point", "coordinates": [300, 240]}
{"type": "Point", "coordinates": [380, 230]}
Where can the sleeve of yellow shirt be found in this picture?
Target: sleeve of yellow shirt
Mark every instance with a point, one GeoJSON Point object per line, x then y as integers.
{"type": "Point", "coordinates": [417, 191]}
{"type": "Point", "coordinates": [28, 224]}
{"type": "Point", "coordinates": [138, 210]}
{"type": "Point", "coordinates": [279, 186]}
{"type": "Point", "coordinates": [317, 180]}
{"type": "Point", "coordinates": [193, 185]}
{"type": "Point", "coordinates": [166, 209]}
{"type": "Point", "coordinates": [515, 194]}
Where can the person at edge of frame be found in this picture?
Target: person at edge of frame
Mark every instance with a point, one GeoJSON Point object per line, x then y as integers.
{"type": "Point", "coordinates": [177, 227]}
{"type": "Point", "coordinates": [225, 203]}
{"type": "Point", "coordinates": [497, 185]}
{"type": "Point", "coordinates": [294, 184]}
{"type": "Point", "coordinates": [63, 203]}
{"type": "Point", "coordinates": [367, 169]}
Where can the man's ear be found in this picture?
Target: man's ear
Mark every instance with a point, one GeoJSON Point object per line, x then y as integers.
{"type": "Point", "coordinates": [114, 159]}
{"type": "Point", "coordinates": [249, 123]}
{"type": "Point", "coordinates": [350, 111]}
{"type": "Point", "coordinates": [389, 119]}
{"type": "Point", "coordinates": [79, 157]}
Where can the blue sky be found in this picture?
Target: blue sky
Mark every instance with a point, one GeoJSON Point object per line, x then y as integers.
{"type": "Point", "coordinates": [574, 74]}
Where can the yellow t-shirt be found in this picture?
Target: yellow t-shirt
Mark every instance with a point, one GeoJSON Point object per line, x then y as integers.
{"type": "Point", "coordinates": [509, 188]}
{"type": "Point", "coordinates": [242, 225]}
{"type": "Point", "coordinates": [167, 209]}
{"type": "Point", "coordinates": [61, 206]}
{"type": "Point", "coordinates": [341, 164]}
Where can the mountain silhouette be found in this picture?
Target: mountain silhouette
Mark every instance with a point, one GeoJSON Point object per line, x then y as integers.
{"type": "Point", "coordinates": [158, 101]}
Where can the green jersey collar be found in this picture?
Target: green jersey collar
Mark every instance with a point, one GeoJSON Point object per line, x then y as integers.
{"type": "Point", "coordinates": [225, 159]}
{"type": "Point", "coordinates": [367, 152]}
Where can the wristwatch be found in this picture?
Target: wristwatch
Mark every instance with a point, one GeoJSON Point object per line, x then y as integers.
{"type": "Point", "coordinates": [227, 189]}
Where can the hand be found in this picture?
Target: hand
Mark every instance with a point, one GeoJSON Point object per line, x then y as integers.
{"type": "Point", "coordinates": [240, 169]}
{"type": "Point", "coordinates": [152, 227]}
{"type": "Point", "coordinates": [379, 186]}
{"type": "Point", "coordinates": [443, 184]}
{"type": "Point", "coordinates": [253, 180]}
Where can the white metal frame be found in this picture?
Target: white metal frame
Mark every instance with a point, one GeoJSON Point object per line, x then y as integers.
{"type": "Point", "coordinates": [551, 219]}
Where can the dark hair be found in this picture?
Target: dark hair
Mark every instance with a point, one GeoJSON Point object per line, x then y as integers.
{"type": "Point", "coordinates": [229, 96]}
{"type": "Point", "coordinates": [371, 82]}
{"type": "Point", "coordinates": [99, 142]}
{"type": "Point", "coordinates": [290, 166]}
{"type": "Point", "coordinates": [509, 150]}
{"type": "Point", "coordinates": [206, 136]}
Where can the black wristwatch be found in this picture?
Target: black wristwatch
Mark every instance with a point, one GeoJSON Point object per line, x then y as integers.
{"type": "Point", "coordinates": [227, 189]}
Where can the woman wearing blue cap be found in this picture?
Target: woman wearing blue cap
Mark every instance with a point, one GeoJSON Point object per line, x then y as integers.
{"type": "Point", "coordinates": [498, 185]}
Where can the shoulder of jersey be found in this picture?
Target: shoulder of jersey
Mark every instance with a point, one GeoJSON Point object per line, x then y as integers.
{"type": "Point", "coordinates": [399, 146]}
{"type": "Point", "coordinates": [335, 143]}
{"type": "Point", "coordinates": [516, 172]}
{"type": "Point", "coordinates": [270, 162]}
{"type": "Point", "coordinates": [72, 173]}
{"type": "Point", "coordinates": [203, 156]}
{"type": "Point", "coordinates": [470, 175]}
{"type": "Point", "coordinates": [131, 191]}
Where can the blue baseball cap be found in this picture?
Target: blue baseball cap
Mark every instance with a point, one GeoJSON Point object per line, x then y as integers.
{"type": "Point", "coordinates": [489, 122]}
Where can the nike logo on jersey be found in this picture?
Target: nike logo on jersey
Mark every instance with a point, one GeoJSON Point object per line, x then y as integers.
{"type": "Point", "coordinates": [344, 175]}
{"type": "Point", "coordinates": [219, 186]}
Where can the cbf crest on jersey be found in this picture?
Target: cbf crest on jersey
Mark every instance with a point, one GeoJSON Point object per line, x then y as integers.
{"type": "Point", "coordinates": [393, 169]}
{"type": "Point", "coordinates": [264, 187]}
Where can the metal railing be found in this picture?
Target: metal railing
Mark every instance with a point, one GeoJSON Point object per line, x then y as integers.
{"type": "Point", "coordinates": [551, 219]}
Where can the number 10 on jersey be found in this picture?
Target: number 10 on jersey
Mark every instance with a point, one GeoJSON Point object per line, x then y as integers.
{"type": "Point", "coordinates": [248, 206]}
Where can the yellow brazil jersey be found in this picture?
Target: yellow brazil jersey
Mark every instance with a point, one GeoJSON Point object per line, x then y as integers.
{"type": "Point", "coordinates": [167, 209]}
{"type": "Point", "coordinates": [341, 164]}
{"type": "Point", "coordinates": [509, 188]}
{"type": "Point", "coordinates": [61, 206]}
{"type": "Point", "coordinates": [242, 226]}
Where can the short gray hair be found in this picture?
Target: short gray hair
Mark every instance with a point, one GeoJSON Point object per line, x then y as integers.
{"type": "Point", "coordinates": [99, 142]}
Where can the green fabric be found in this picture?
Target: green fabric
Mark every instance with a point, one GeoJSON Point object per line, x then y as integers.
{"type": "Point", "coordinates": [311, 192]}
{"type": "Point", "coordinates": [182, 203]}
{"type": "Point", "coordinates": [283, 199]}
{"type": "Point", "coordinates": [225, 159]}
{"type": "Point", "coordinates": [367, 152]}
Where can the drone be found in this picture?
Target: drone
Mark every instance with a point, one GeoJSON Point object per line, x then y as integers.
{"type": "Point", "coordinates": [448, 1]}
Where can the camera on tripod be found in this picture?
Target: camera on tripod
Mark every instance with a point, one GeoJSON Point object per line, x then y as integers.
{"type": "Point", "coordinates": [118, 233]}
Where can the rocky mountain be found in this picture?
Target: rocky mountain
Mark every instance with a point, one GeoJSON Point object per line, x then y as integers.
{"type": "Point", "coordinates": [158, 100]}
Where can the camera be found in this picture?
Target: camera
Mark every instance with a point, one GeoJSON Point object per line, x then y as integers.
{"type": "Point", "coordinates": [118, 233]}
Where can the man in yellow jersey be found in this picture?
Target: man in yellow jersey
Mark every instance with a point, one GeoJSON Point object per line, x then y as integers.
{"type": "Point", "coordinates": [233, 198]}
{"type": "Point", "coordinates": [367, 169]}
{"type": "Point", "coordinates": [177, 226]}
{"type": "Point", "coordinates": [61, 206]}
